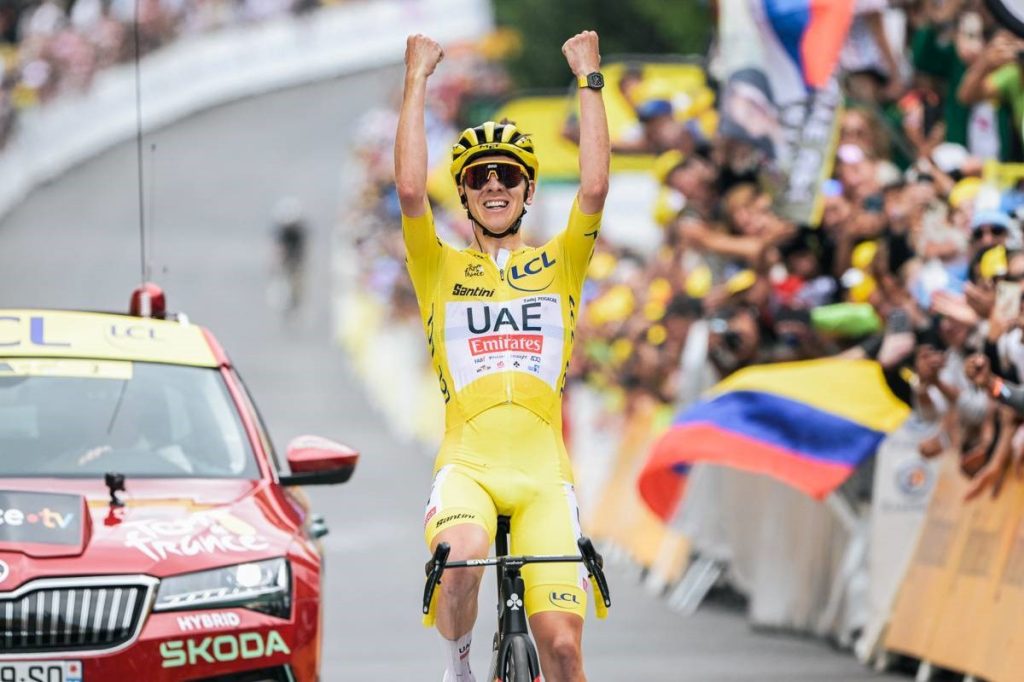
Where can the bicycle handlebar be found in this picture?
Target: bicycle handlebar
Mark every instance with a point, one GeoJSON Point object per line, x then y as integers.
{"type": "Point", "coordinates": [593, 562]}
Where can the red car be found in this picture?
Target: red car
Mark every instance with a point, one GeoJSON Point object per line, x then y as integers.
{"type": "Point", "coordinates": [146, 531]}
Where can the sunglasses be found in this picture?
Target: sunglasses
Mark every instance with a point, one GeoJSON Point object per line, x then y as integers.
{"type": "Point", "coordinates": [994, 230]}
{"type": "Point", "coordinates": [508, 174]}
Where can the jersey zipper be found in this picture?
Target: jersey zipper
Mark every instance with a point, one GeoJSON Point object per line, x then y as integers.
{"type": "Point", "coordinates": [508, 354]}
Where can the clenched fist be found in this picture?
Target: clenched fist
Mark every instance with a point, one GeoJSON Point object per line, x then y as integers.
{"type": "Point", "coordinates": [422, 55]}
{"type": "Point", "coordinates": [582, 53]}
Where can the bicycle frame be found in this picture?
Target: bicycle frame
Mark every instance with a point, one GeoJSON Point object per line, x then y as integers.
{"type": "Point", "coordinates": [512, 622]}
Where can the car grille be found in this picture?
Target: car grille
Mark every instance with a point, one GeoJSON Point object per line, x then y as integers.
{"type": "Point", "coordinates": [84, 614]}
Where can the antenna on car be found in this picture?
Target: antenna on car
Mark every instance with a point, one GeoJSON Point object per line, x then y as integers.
{"type": "Point", "coordinates": [138, 141]}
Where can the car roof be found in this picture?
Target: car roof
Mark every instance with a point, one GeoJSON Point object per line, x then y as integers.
{"type": "Point", "coordinates": [105, 336]}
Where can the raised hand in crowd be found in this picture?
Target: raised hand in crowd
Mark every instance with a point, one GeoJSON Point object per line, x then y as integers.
{"type": "Point", "coordinates": [991, 475]}
{"type": "Point", "coordinates": [981, 297]}
{"type": "Point", "coordinates": [978, 370]}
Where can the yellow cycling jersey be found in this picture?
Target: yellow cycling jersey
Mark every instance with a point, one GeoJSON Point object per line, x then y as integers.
{"type": "Point", "coordinates": [504, 334]}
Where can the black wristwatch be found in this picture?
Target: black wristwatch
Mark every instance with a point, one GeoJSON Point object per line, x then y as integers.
{"type": "Point", "coordinates": [594, 81]}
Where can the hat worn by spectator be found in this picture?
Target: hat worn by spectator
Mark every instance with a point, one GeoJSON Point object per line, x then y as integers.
{"type": "Point", "coordinates": [652, 109]}
{"type": "Point", "coordinates": [990, 218]}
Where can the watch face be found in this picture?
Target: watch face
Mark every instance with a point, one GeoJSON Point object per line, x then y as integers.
{"type": "Point", "coordinates": [595, 80]}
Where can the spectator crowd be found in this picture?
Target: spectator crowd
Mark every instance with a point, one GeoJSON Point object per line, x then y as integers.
{"type": "Point", "coordinates": [52, 48]}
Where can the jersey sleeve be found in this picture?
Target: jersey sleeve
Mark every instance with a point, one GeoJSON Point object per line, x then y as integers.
{"type": "Point", "coordinates": [1005, 80]}
{"type": "Point", "coordinates": [578, 240]}
{"type": "Point", "coordinates": [423, 250]}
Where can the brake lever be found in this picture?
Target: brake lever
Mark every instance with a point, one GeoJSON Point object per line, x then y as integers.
{"type": "Point", "coordinates": [595, 563]}
{"type": "Point", "coordinates": [434, 569]}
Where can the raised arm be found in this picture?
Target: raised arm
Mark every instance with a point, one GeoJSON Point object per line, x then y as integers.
{"type": "Point", "coordinates": [422, 56]}
{"type": "Point", "coordinates": [976, 85]}
{"type": "Point", "coordinates": [584, 57]}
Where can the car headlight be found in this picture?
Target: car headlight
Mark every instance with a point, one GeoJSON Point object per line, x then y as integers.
{"type": "Point", "coordinates": [263, 586]}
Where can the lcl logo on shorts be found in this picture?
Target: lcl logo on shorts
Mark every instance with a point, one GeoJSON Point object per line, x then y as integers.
{"type": "Point", "coordinates": [564, 600]}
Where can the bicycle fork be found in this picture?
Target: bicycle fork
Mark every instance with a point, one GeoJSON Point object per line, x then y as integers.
{"type": "Point", "coordinates": [512, 626]}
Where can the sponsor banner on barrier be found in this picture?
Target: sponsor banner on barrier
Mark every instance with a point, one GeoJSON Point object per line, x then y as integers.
{"type": "Point", "coordinates": [965, 617]}
{"type": "Point", "coordinates": [903, 486]}
{"type": "Point", "coordinates": [1002, 657]}
{"type": "Point", "coordinates": [931, 571]}
{"type": "Point", "coordinates": [960, 603]}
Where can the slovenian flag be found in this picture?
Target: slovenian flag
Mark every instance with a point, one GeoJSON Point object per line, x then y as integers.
{"type": "Point", "coordinates": [808, 424]}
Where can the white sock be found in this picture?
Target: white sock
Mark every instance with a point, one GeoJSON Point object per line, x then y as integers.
{"type": "Point", "coordinates": [457, 659]}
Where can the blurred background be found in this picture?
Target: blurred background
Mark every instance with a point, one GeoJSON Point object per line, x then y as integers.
{"type": "Point", "coordinates": [814, 224]}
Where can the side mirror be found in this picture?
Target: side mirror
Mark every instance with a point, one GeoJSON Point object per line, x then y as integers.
{"type": "Point", "coordinates": [317, 461]}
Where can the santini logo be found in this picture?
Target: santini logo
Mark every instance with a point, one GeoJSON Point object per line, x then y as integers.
{"type": "Point", "coordinates": [459, 290]}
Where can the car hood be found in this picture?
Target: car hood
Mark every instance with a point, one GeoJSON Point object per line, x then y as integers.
{"type": "Point", "coordinates": [57, 527]}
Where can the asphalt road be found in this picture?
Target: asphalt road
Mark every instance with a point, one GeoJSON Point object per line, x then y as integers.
{"type": "Point", "coordinates": [213, 180]}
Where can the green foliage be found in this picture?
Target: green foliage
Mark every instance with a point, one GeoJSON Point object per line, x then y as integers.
{"type": "Point", "coordinates": [625, 27]}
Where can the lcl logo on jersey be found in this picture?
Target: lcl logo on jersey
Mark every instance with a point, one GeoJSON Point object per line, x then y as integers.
{"type": "Point", "coordinates": [532, 267]}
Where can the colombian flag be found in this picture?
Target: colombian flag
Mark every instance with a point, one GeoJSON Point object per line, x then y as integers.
{"type": "Point", "coordinates": [812, 33]}
{"type": "Point", "coordinates": [808, 424]}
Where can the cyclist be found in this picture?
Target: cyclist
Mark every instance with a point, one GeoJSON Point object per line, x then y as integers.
{"type": "Point", "coordinates": [290, 237]}
{"type": "Point", "coordinates": [499, 318]}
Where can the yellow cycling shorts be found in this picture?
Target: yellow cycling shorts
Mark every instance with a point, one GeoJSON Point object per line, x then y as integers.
{"type": "Point", "coordinates": [508, 461]}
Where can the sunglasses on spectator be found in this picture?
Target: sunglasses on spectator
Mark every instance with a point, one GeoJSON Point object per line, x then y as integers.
{"type": "Point", "coordinates": [994, 230]}
{"type": "Point", "coordinates": [508, 174]}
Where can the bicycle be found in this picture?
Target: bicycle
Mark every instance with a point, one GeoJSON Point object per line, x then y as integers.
{"type": "Point", "coordinates": [514, 657]}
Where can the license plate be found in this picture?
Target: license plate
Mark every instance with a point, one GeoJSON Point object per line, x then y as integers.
{"type": "Point", "coordinates": [41, 671]}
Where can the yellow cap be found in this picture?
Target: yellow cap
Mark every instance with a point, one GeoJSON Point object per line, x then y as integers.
{"type": "Point", "coordinates": [666, 163]}
{"type": "Point", "coordinates": [863, 255]}
{"type": "Point", "coordinates": [964, 191]}
{"type": "Point", "coordinates": [656, 335]}
{"type": "Point", "coordinates": [741, 281]}
{"type": "Point", "coordinates": [993, 263]}
{"type": "Point", "coordinates": [698, 282]}
{"type": "Point", "coordinates": [601, 266]}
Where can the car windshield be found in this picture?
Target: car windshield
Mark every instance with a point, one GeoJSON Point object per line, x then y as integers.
{"type": "Point", "coordinates": [84, 418]}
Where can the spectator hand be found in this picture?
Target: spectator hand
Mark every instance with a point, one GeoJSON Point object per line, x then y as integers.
{"type": "Point", "coordinates": [981, 298]}
{"type": "Point", "coordinates": [954, 307]}
{"type": "Point", "coordinates": [978, 370]}
{"type": "Point", "coordinates": [582, 53]}
{"type": "Point", "coordinates": [990, 476]}
{"type": "Point", "coordinates": [927, 364]}
{"type": "Point", "coordinates": [422, 55]}
{"type": "Point", "coordinates": [1001, 50]}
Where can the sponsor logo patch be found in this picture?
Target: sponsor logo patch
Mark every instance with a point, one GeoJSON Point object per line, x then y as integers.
{"type": "Point", "coordinates": [461, 290]}
{"type": "Point", "coordinates": [564, 600]}
{"type": "Point", "coordinates": [445, 520]}
{"type": "Point", "coordinates": [222, 648]}
{"type": "Point", "coordinates": [521, 343]}
{"type": "Point", "coordinates": [218, 620]}
{"type": "Point", "coordinates": [474, 270]}
{"type": "Point", "coordinates": [534, 266]}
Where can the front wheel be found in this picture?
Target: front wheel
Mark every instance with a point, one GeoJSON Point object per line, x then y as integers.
{"type": "Point", "coordinates": [518, 667]}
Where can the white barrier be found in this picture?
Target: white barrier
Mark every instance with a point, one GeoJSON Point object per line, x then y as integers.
{"type": "Point", "coordinates": [203, 71]}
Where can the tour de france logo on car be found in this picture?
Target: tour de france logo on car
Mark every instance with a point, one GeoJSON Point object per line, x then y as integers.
{"type": "Point", "coordinates": [40, 518]}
